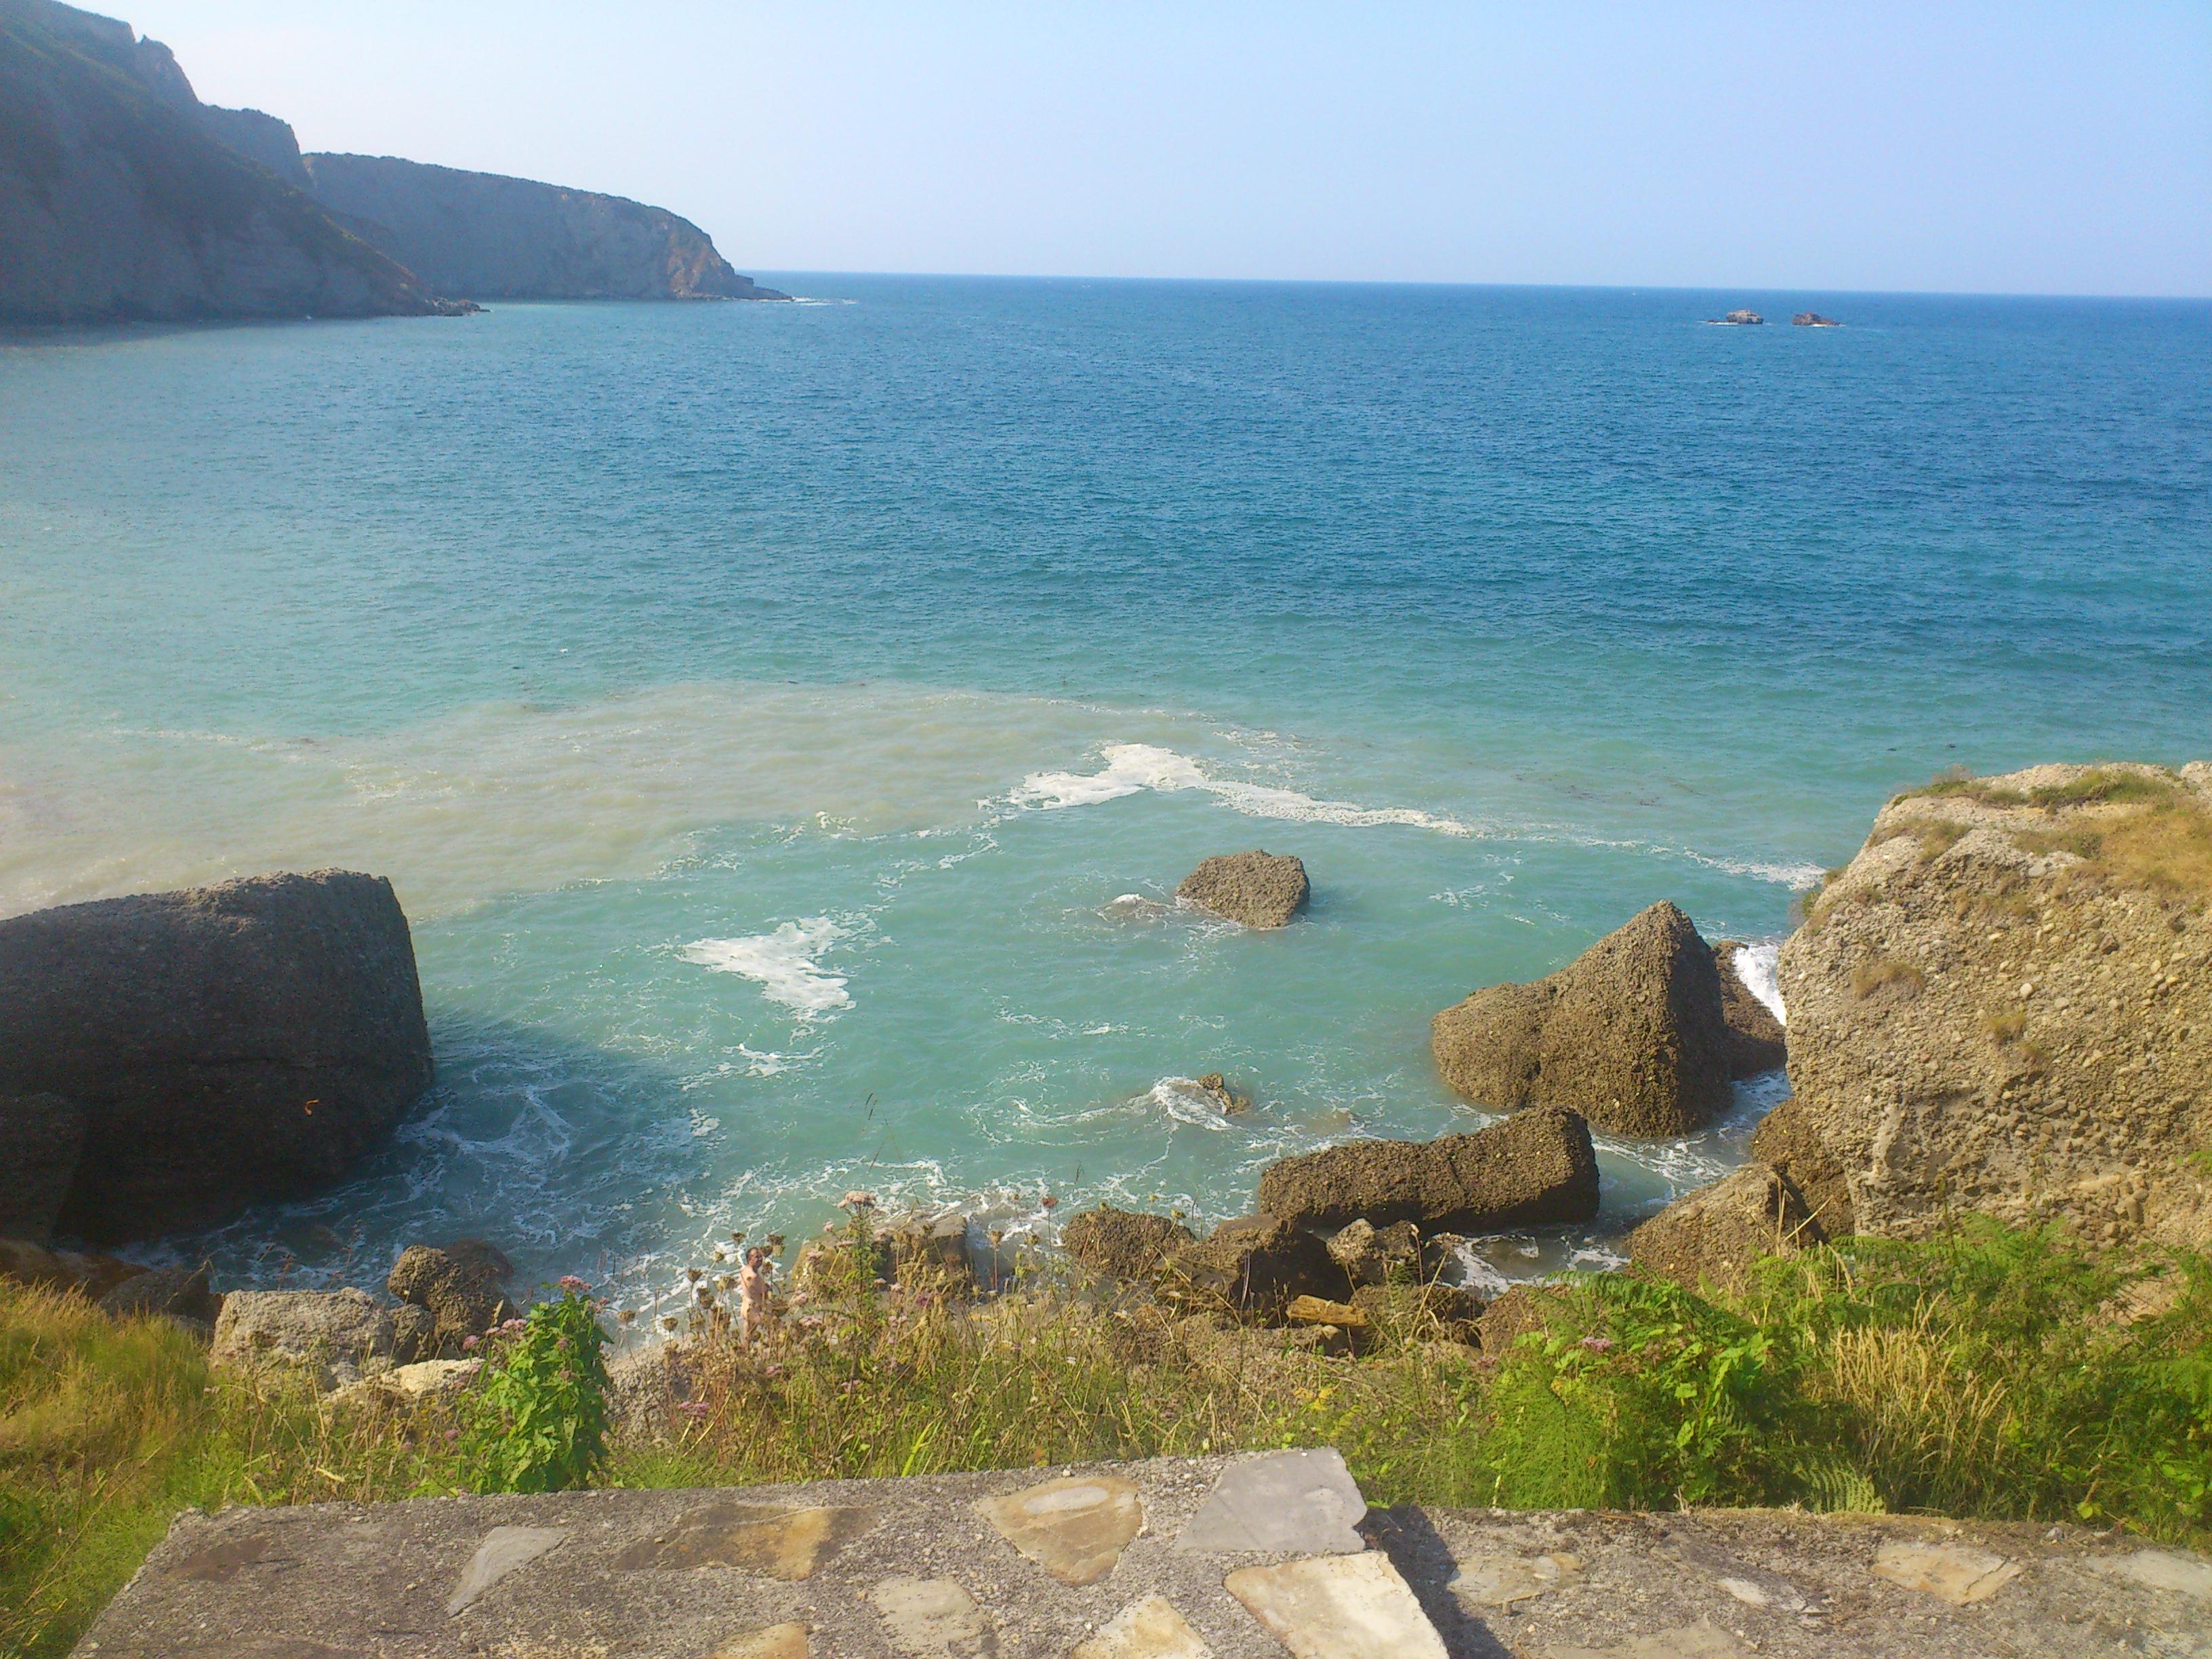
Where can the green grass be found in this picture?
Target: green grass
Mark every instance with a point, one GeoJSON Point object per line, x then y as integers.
{"type": "Point", "coordinates": [1983, 1374]}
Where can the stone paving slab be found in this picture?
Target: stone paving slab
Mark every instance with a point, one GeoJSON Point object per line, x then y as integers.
{"type": "Point", "coordinates": [1093, 1563]}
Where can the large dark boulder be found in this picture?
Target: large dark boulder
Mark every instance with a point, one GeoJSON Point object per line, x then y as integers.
{"type": "Point", "coordinates": [1630, 1034]}
{"type": "Point", "coordinates": [40, 1138]}
{"type": "Point", "coordinates": [225, 1044]}
{"type": "Point", "coordinates": [1259, 889]}
{"type": "Point", "coordinates": [1533, 1168]}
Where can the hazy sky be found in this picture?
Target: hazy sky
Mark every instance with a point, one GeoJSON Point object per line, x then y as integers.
{"type": "Point", "coordinates": [2004, 148]}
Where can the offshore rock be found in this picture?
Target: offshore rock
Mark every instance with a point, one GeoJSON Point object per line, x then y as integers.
{"type": "Point", "coordinates": [1815, 319]}
{"type": "Point", "coordinates": [1534, 1168]}
{"type": "Point", "coordinates": [1712, 1236]}
{"type": "Point", "coordinates": [226, 1044]}
{"type": "Point", "coordinates": [1630, 1034]}
{"type": "Point", "coordinates": [1756, 1042]}
{"type": "Point", "coordinates": [2001, 1004]}
{"type": "Point", "coordinates": [488, 237]}
{"type": "Point", "coordinates": [1122, 1243]}
{"type": "Point", "coordinates": [1258, 889]}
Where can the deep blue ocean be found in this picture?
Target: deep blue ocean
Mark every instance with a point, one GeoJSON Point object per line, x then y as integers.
{"type": "Point", "coordinates": [786, 725]}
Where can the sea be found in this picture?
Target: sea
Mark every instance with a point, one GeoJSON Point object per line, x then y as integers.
{"type": "Point", "coordinates": [786, 725]}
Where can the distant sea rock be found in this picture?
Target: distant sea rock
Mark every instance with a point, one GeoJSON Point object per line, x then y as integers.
{"type": "Point", "coordinates": [1740, 318]}
{"type": "Point", "coordinates": [116, 202]}
{"type": "Point", "coordinates": [1815, 319]}
{"type": "Point", "coordinates": [488, 237]}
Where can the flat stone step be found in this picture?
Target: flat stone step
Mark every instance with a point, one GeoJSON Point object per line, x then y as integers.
{"type": "Point", "coordinates": [1205, 1558]}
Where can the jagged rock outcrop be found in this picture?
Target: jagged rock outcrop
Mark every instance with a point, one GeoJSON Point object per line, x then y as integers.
{"type": "Point", "coordinates": [2004, 1004]}
{"type": "Point", "coordinates": [1756, 1042]}
{"type": "Point", "coordinates": [1259, 889]}
{"type": "Point", "coordinates": [1711, 1237]}
{"type": "Point", "coordinates": [483, 236]}
{"type": "Point", "coordinates": [117, 203]}
{"type": "Point", "coordinates": [1533, 1168]}
{"type": "Point", "coordinates": [225, 1044]}
{"type": "Point", "coordinates": [1632, 1034]}
{"type": "Point", "coordinates": [1376, 1256]}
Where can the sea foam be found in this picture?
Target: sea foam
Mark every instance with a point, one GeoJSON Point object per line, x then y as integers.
{"type": "Point", "coordinates": [1133, 768]}
{"type": "Point", "coordinates": [782, 962]}
{"type": "Point", "coordinates": [1758, 967]}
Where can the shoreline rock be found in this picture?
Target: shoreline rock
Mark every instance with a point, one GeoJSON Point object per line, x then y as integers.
{"type": "Point", "coordinates": [1712, 1236]}
{"type": "Point", "coordinates": [1535, 1168]}
{"type": "Point", "coordinates": [225, 1044]}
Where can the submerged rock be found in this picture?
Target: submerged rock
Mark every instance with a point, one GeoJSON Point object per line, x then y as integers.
{"type": "Point", "coordinates": [1533, 1168]}
{"type": "Point", "coordinates": [2000, 1005]}
{"type": "Point", "coordinates": [1630, 1034]}
{"type": "Point", "coordinates": [1122, 1243]}
{"type": "Point", "coordinates": [226, 1044]}
{"type": "Point", "coordinates": [1712, 1236]}
{"type": "Point", "coordinates": [1258, 889]}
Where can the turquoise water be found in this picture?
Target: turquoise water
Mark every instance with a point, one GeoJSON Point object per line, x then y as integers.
{"type": "Point", "coordinates": [784, 724]}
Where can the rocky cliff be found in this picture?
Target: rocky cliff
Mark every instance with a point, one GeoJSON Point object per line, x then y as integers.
{"type": "Point", "coordinates": [2004, 1004]}
{"type": "Point", "coordinates": [122, 195]}
{"type": "Point", "coordinates": [488, 237]}
{"type": "Point", "coordinates": [117, 203]}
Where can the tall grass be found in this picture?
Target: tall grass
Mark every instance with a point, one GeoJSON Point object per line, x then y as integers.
{"type": "Point", "coordinates": [1987, 1373]}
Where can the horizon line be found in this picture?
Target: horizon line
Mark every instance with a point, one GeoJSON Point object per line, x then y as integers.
{"type": "Point", "coordinates": [1438, 281]}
